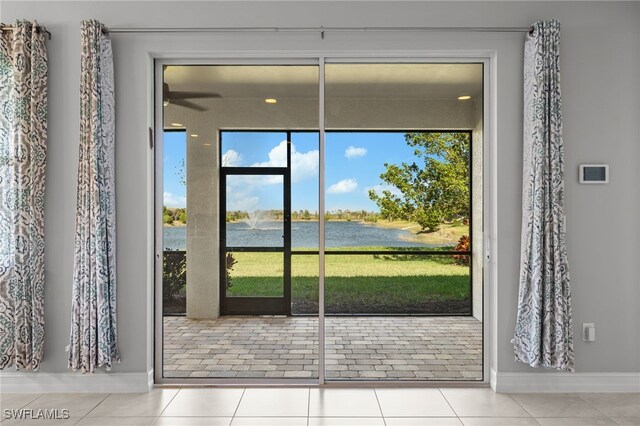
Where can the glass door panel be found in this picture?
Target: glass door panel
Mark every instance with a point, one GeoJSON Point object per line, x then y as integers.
{"type": "Point", "coordinates": [398, 291]}
{"type": "Point", "coordinates": [254, 211]}
{"type": "Point", "coordinates": [256, 241]}
{"type": "Point", "coordinates": [234, 153]}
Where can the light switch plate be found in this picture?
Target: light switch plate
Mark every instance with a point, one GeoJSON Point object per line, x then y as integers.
{"type": "Point", "coordinates": [588, 332]}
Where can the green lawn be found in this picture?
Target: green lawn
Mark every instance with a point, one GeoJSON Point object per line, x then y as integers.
{"type": "Point", "coordinates": [359, 283]}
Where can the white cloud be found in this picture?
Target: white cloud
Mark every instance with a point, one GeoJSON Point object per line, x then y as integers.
{"type": "Point", "coordinates": [303, 164]}
{"type": "Point", "coordinates": [379, 189]}
{"type": "Point", "coordinates": [172, 200]}
{"type": "Point", "coordinates": [241, 201]}
{"type": "Point", "coordinates": [353, 152]}
{"type": "Point", "coordinates": [344, 186]}
{"type": "Point", "coordinates": [231, 158]}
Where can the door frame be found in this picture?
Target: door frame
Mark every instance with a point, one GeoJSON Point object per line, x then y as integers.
{"type": "Point", "coordinates": [489, 238]}
{"type": "Point", "coordinates": [255, 305]}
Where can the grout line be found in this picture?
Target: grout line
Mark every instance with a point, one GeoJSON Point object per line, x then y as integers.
{"type": "Point", "coordinates": [308, 404]}
{"type": "Point", "coordinates": [449, 404]}
{"type": "Point", "coordinates": [238, 406]}
{"type": "Point", "coordinates": [40, 395]}
{"type": "Point", "coordinates": [593, 406]}
{"type": "Point", "coordinates": [94, 407]}
{"type": "Point", "coordinates": [521, 406]}
{"type": "Point", "coordinates": [169, 403]}
{"type": "Point", "coordinates": [379, 406]}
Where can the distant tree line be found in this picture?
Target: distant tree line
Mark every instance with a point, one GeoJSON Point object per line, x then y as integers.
{"type": "Point", "coordinates": [302, 215]}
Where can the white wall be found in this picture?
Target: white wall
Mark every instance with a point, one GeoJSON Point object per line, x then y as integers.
{"type": "Point", "coordinates": [600, 62]}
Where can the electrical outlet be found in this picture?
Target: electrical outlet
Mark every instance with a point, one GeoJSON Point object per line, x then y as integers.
{"type": "Point", "coordinates": [588, 332]}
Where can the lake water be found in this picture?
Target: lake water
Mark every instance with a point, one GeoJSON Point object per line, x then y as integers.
{"type": "Point", "coordinates": [303, 235]}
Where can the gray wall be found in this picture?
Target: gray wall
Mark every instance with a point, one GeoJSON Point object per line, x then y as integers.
{"type": "Point", "coordinates": [600, 62]}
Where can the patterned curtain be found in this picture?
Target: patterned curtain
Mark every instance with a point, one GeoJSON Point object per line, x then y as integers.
{"type": "Point", "coordinates": [23, 147]}
{"type": "Point", "coordinates": [93, 340]}
{"type": "Point", "coordinates": [543, 333]}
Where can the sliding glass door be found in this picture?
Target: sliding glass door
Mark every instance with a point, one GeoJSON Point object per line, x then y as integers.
{"type": "Point", "coordinates": [237, 305]}
{"type": "Point", "coordinates": [268, 276]}
{"type": "Point", "coordinates": [398, 279]}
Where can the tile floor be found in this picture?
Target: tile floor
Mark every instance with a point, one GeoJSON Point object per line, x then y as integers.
{"type": "Point", "coordinates": [331, 407]}
{"type": "Point", "coordinates": [381, 348]}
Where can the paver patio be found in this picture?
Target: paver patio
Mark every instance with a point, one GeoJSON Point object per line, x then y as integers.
{"type": "Point", "coordinates": [358, 347]}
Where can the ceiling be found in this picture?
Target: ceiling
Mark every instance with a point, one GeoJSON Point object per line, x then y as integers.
{"type": "Point", "coordinates": [413, 81]}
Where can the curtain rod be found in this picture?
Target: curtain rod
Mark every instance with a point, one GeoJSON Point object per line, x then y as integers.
{"type": "Point", "coordinates": [38, 28]}
{"type": "Point", "coordinates": [320, 30]}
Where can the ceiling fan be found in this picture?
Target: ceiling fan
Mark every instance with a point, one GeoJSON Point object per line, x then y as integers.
{"type": "Point", "coordinates": [181, 97]}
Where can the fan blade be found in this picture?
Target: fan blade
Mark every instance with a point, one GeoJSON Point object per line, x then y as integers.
{"type": "Point", "coordinates": [193, 95]}
{"type": "Point", "coordinates": [187, 104]}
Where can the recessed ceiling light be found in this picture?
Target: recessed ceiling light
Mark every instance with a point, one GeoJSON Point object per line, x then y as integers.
{"type": "Point", "coordinates": [464, 98]}
{"type": "Point", "coordinates": [206, 144]}
{"type": "Point", "coordinates": [193, 135]}
{"type": "Point", "coordinates": [176, 124]}
{"type": "Point", "coordinates": [165, 103]}
{"type": "Point", "coordinates": [271, 101]}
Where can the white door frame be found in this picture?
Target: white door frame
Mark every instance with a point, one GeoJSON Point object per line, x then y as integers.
{"type": "Point", "coordinates": [489, 323]}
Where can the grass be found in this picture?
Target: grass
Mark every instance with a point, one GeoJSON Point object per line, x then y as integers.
{"type": "Point", "coordinates": [358, 283]}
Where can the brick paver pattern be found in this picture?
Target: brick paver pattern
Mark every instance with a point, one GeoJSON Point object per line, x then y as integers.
{"type": "Point", "coordinates": [362, 347]}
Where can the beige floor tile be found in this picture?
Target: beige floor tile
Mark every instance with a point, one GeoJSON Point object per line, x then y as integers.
{"type": "Point", "coordinates": [274, 402]}
{"type": "Point", "coordinates": [148, 404]}
{"type": "Point", "coordinates": [422, 421]}
{"type": "Point", "coordinates": [193, 421]}
{"type": "Point", "coordinates": [482, 402]}
{"type": "Point", "coordinates": [10, 401]}
{"type": "Point", "coordinates": [555, 405]}
{"type": "Point", "coordinates": [110, 421]}
{"type": "Point", "coordinates": [627, 421]}
{"type": "Point", "coordinates": [346, 421]}
{"type": "Point", "coordinates": [269, 421]}
{"type": "Point", "coordinates": [218, 402]}
{"type": "Point", "coordinates": [575, 421]}
{"type": "Point", "coordinates": [343, 403]}
{"type": "Point", "coordinates": [614, 404]}
{"type": "Point", "coordinates": [78, 404]}
{"type": "Point", "coordinates": [40, 422]}
{"type": "Point", "coordinates": [498, 421]}
{"type": "Point", "coordinates": [413, 402]}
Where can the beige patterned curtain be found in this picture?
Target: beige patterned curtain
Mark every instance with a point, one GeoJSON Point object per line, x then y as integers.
{"type": "Point", "coordinates": [543, 333]}
{"type": "Point", "coordinates": [23, 146]}
{"type": "Point", "coordinates": [93, 340]}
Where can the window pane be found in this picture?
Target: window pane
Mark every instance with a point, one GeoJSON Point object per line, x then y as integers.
{"type": "Point", "coordinates": [398, 184]}
{"type": "Point", "coordinates": [397, 284]}
{"type": "Point", "coordinates": [174, 218]}
{"type": "Point", "coordinates": [252, 274]}
{"type": "Point", "coordinates": [254, 149]}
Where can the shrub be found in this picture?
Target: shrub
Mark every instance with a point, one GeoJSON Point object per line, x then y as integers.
{"type": "Point", "coordinates": [174, 274]}
{"type": "Point", "coordinates": [463, 245]}
{"type": "Point", "coordinates": [183, 217]}
{"type": "Point", "coordinates": [231, 261]}
{"type": "Point", "coordinates": [168, 219]}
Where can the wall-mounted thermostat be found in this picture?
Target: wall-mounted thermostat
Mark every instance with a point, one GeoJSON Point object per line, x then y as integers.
{"type": "Point", "coordinates": [594, 173]}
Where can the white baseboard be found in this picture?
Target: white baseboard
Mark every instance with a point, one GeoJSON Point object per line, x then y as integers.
{"type": "Point", "coordinates": [29, 382]}
{"type": "Point", "coordinates": [564, 382]}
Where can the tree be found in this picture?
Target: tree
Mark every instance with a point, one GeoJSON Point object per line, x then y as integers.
{"type": "Point", "coordinates": [433, 192]}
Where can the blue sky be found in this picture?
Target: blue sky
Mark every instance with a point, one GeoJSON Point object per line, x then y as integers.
{"type": "Point", "coordinates": [354, 162]}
